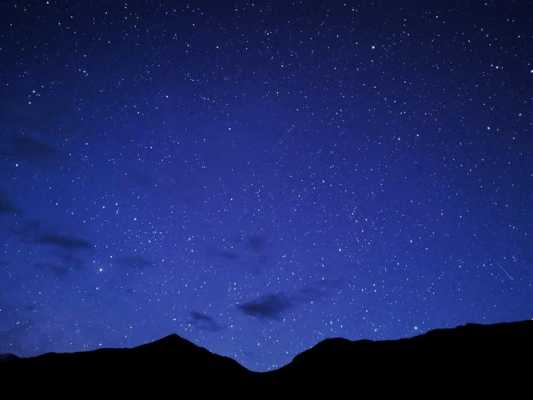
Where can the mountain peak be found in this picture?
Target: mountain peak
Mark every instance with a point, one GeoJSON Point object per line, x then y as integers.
{"type": "Point", "coordinates": [169, 342]}
{"type": "Point", "coordinates": [172, 338]}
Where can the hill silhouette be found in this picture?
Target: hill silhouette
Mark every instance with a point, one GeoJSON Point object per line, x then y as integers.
{"type": "Point", "coordinates": [471, 355]}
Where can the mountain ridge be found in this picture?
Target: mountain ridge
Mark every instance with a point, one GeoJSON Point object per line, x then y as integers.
{"type": "Point", "coordinates": [467, 353]}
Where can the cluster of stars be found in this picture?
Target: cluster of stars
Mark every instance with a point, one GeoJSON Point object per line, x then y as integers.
{"type": "Point", "coordinates": [259, 177]}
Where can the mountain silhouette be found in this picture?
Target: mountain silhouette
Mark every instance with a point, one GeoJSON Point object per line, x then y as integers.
{"type": "Point", "coordinates": [7, 356]}
{"type": "Point", "coordinates": [467, 356]}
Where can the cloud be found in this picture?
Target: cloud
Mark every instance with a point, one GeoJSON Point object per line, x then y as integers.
{"type": "Point", "coordinates": [257, 243]}
{"type": "Point", "coordinates": [31, 231]}
{"type": "Point", "coordinates": [67, 250]}
{"type": "Point", "coordinates": [22, 147]}
{"type": "Point", "coordinates": [134, 262]}
{"type": "Point", "coordinates": [271, 306]}
{"type": "Point", "coordinates": [70, 243]}
{"type": "Point", "coordinates": [204, 322]}
{"type": "Point", "coordinates": [6, 206]}
{"type": "Point", "coordinates": [27, 230]}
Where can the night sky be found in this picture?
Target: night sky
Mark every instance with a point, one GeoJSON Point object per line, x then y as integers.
{"type": "Point", "coordinates": [259, 176]}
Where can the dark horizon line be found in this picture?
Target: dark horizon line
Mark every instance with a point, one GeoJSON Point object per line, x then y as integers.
{"type": "Point", "coordinates": [174, 337]}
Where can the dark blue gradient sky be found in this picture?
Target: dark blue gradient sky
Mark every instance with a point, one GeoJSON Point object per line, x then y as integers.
{"type": "Point", "coordinates": [259, 176]}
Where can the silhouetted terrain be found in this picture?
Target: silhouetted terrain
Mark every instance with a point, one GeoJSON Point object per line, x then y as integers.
{"type": "Point", "coordinates": [468, 355]}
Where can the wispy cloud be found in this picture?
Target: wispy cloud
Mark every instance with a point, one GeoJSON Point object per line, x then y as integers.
{"type": "Point", "coordinates": [28, 148]}
{"type": "Point", "coordinates": [204, 322]}
{"type": "Point", "coordinates": [67, 251]}
{"type": "Point", "coordinates": [32, 232]}
{"type": "Point", "coordinates": [71, 243]}
{"type": "Point", "coordinates": [271, 306]}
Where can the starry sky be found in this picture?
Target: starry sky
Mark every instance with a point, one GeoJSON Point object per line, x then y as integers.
{"type": "Point", "coordinates": [258, 176]}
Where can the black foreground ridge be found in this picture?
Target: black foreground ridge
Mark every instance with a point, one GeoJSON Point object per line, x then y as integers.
{"type": "Point", "coordinates": [470, 354]}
